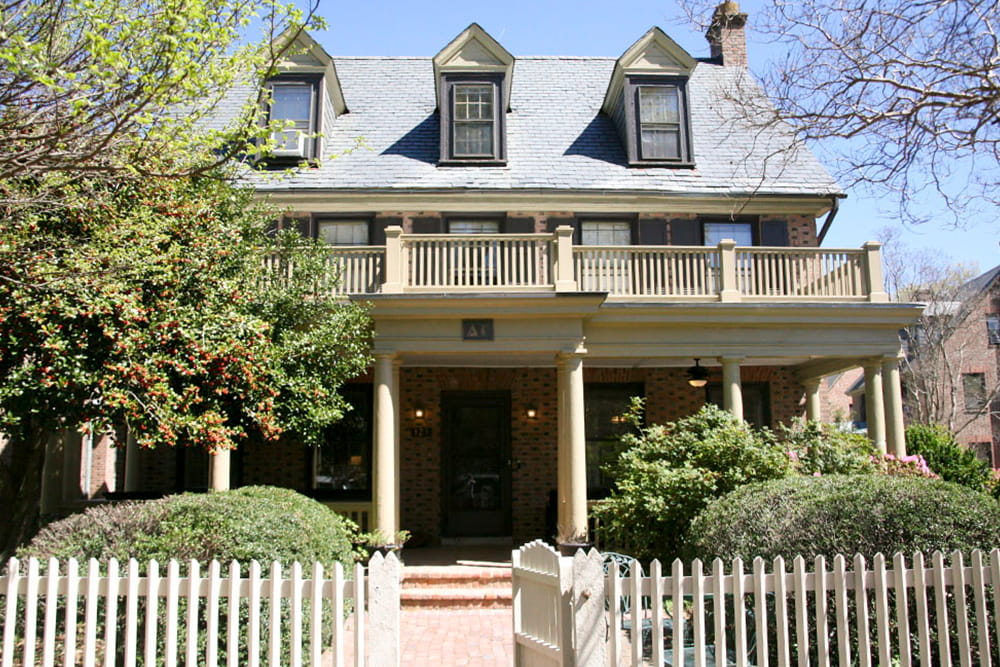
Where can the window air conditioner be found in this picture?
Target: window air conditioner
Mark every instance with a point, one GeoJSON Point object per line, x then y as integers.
{"type": "Point", "coordinates": [291, 143]}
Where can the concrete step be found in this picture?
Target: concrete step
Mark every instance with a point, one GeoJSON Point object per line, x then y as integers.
{"type": "Point", "coordinates": [456, 598]}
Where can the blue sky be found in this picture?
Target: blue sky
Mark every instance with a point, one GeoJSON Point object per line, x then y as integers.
{"type": "Point", "coordinates": [589, 28]}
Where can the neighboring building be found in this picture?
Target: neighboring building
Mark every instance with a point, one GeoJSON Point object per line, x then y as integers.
{"type": "Point", "coordinates": [951, 367]}
{"type": "Point", "coordinates": [542, 238]}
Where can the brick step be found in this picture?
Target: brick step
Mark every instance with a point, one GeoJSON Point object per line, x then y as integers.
{"type": "Point", "coordinates": [455, 577]}
{"type": "Point", "coordinates": [456, 598]}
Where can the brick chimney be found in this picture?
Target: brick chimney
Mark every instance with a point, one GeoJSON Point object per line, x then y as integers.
{"type": "Point", "coordinates": [726, 35]}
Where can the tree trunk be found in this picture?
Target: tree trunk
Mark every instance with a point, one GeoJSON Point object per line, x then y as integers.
{"type": "Point", "coordinates": [21, 489]}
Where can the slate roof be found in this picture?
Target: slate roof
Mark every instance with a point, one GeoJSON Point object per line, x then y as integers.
{"type": "Point", "coordinates": [557, 137]}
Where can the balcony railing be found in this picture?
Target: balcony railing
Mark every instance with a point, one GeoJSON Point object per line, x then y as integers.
{"type": "Point", "coordinates": [416, 263]}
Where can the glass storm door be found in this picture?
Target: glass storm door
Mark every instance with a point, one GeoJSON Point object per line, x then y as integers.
{"type": "Point", "coordinates": [476, 463]}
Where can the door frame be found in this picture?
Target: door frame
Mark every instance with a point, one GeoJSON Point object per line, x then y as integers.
{"type": "Point", "coordinates": [449, 401]}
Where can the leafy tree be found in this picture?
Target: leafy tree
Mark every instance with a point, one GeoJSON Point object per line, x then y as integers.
{"type": "Point", "coordinates": [908, 93]}
{"type": "Point", "coordinates": [93, 87]}
{"type": "Point", "coordinates": [147, 303]}
{"type": "Point", "coordinates": [947, 458]}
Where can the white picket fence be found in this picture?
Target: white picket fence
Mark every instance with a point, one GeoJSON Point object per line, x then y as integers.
{"type": "Point", "coordinates": [945, 612]}
{"type": "Point", "coordinates": [108, 617]}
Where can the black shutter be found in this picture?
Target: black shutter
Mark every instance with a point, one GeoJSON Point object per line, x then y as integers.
{"type": "Point", "coordinates": [685, 232]}
{"type": "Point", "coordinates": [305, 226]}
{"type": "Point", "coordinates": [773, 233]}
{"type": "Point", "coordinates": [519, 225]}
{"type": "Point", "coordinates": [653, 231]}
{"type": "Point", "coordinates": [428, 226]}
{"type": "Point", "coordinates": [552, 223]}
{"type": "Point", "coordinates": [379, 225]}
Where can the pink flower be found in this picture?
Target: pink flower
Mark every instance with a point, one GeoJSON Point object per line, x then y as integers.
{"type": "Point", "coordinates": [793, 456]}
{"type": "Point", "coordinates": [817, 474]}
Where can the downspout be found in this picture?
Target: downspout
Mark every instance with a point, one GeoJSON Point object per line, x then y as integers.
{"type": "Point", "coordinates": [834, 207]}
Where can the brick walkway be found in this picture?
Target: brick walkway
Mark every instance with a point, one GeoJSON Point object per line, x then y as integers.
{"type": "Point", "coordinates": [454, 637]}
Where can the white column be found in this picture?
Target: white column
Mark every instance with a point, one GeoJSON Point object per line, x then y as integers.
{"type": "Point", "coordinates": [394, 260]}
{"type": "Point", "coordinates": [564, 278]}
{"type": "Point", "coordinates": [132, 468]}
{"type": "Point", "coordinates": [874, 406]}
{"type": "Point", "coordinates": [728, 289]}
{"type": "Point", "coordinates": [732, 390]}
{"type": "Point", "coordinates": [218, 469]}
{"type": "Point", "coordinates": [572, 493]}
{"type": "Point", "coordinates": [873, 273]}
{"type": "Point", "coordinates": [396, 364]}
{"type": "Point", "coordinates": [895, 433]}
{"type": "Point", "coordinates": [386, 434]}
{"type": "Point", "coordinates": [813, 408]}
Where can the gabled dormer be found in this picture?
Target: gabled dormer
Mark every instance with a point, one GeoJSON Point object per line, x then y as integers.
{"type": "Point", "coordinates": [306, 94]}
{"type": "Point", "coordinates": [647, 98]}
{"type": "Point", "coordinates": [472, 76]}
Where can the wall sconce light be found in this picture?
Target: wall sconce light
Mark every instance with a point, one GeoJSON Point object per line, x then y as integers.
{"type": "Point", "coordinates": [418, 412]}
{"type": "Point", "coordinates": [697, 376]}
{"type": "Point", "coordinates": [531, 413]}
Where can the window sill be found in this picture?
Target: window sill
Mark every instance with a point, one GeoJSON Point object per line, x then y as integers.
{"type": "Point", "coordinates": [484, 162]}
{"type": "Point", "coordinates": [676, 164]}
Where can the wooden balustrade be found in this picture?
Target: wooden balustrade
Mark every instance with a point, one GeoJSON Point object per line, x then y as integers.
{"type": "Point", "coordinates": [413, 263]}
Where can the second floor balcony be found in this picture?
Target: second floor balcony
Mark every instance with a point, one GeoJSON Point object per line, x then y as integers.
{"type": "Point", "coordinates": [484, 263]}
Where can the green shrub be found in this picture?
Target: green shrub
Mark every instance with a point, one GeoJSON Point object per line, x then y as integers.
{"type": "Point", "coordinates": [950, 460]}
{"type": "Point", "coordinates": [253, 523]}
{"type": "Point", "coordinates": [866, 514]}
{"type": "Point", "coordinates": [815, 447]}
{"type": "Point", "coordinates": [668, 473]}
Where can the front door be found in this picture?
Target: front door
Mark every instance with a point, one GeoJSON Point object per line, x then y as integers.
{"type": "Point", "coordinates": [476, 458]}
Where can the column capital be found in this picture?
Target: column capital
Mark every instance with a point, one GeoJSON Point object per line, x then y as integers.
{"type": "Point", "coordinates": [891, 358]}
{"type": "Point", "coordinates": [811, 384]}
{"type": "Point", "coordinates": [385, 355]}
{"type": "Point", "coordinates": [729, 359]}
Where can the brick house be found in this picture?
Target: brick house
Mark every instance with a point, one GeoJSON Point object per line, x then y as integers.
{"type": "Point", "coordinates": [540, 239]}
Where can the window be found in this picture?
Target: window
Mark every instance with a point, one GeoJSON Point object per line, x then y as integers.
{"type": "Point", "coordinates": [756, 402]}
{"type": "Point", "coordinates": [604, 405]}
{"type": "Point", "coordinates": [342, 232]}
{"type": "Point", "coordinates": [605, 233]}
{"type": "Point", "coordinates": [472, 121]}
{"type": "Point", "coordinates": [342, 464]}
{"type": "Point", "coordinates": [983, 451]}
{"type": "Point", "coordinates": [974, 388]}
{"type": "Point", "coordinates": [741, 232]}
{"type": "Point", "coordinates": [295, 100]}
{"type": "Point", "coordinates": [473, 227]}
{"type": "Point", "coordinates": [658, 126]}
{"type": "Point", "coordinates": [993, 328]}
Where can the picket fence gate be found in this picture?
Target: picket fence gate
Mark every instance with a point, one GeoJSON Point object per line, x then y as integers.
{"type": "Point", "coordinates": [114, 618]}
{"type": "Point", "coordinates": [945, 612]}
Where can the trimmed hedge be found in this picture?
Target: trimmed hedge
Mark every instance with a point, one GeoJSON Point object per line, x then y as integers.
{"type": "Point", "coordinates": [866, 514]}
{"type": "Point", "coordinates": [255, 522]}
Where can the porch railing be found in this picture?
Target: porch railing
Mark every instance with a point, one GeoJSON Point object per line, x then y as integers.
{"type": "Point", "coordinates": [415, 263]}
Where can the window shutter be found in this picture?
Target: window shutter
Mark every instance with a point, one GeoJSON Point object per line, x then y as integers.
{"type": "Point", "coordinates": [428, 226]}
{"type": "Point", "coordinates": [524, 225]}
{"type": "Point", "coordinates": [379, 225]}
{"type": "Point", "coordinates": [685, 232]}
{"type": "Point", "coordinates": [552, 223]}
{"type": "Point", "coordinates": [653, 231]}
{"type": "Point", "coordinates": [773, 233]}
{"type": "Point", "coordinates": [305, 226]}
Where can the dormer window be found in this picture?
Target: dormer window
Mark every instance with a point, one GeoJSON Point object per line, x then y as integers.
{"type": "Point", "coordinates": [647, 101]}
{"type": "Point", "coordinates": [472, 88]}
{"type": "Point", "coordinates": [295, 104]}
{"type": "Point", "coordinates": [660, 126]}
{"type": "Point", "coordinates": [657, 126]}
{"type": "Point", "coordinates": [472, 121]}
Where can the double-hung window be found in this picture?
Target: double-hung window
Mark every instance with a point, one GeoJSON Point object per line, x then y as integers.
{"type": "Point", "coordinates": [974, 388]}
{"type": "Point", "coordinates": [658, 122]}
{"type": "Point", "coordinates": [342, 232]}
{"type": "Point", "coordinates": [993, 328]}
{"type": "Point", "coordinates": [294, 106]}
{"type": "Point", "coordinates": [472, 129]}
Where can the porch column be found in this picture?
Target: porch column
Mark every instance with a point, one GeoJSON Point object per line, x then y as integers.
{"type": "Point", "coordinates": [874, 407]}
{"type": "Point", "coordinates": [895, 433]}
{"type": "Point", "coordinates": [386, 437]}
{"type": "Point", "coordinates": [732, 390]}
{"type": "Point", "coordinates": [813, 408]}
{"type": "Point", "coordinates": [132, 469]}
{"type": "Point", "coordinates": [218, 469]}
{"type": "Point", "coordinates": [572, 457]}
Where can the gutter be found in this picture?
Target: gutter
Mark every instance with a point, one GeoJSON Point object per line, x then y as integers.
{"type": "Point", "coordinates": [834, 207]}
